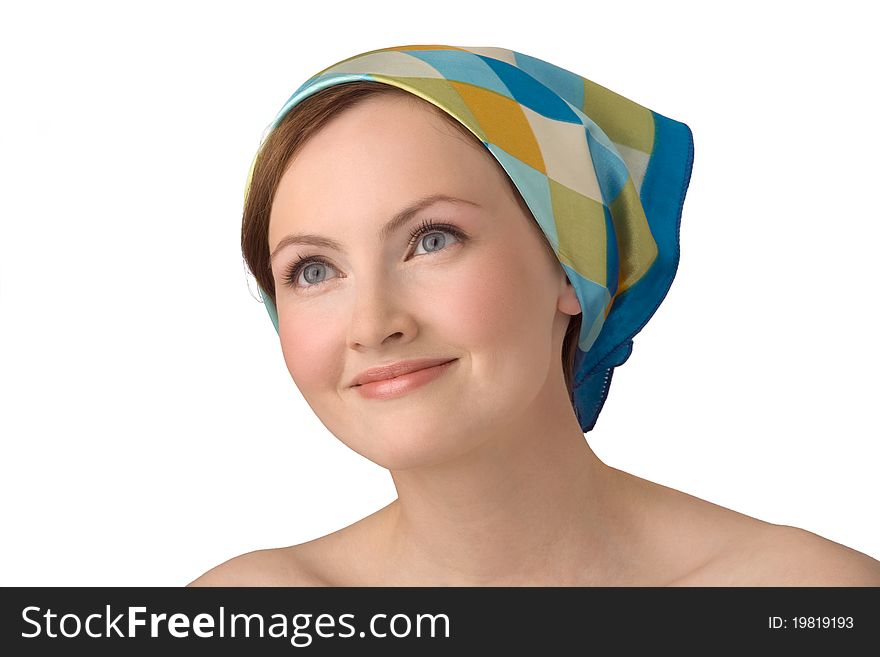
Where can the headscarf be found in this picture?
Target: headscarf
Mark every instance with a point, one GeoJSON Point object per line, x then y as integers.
{"type": "Point", "coordinates": [604, 177]}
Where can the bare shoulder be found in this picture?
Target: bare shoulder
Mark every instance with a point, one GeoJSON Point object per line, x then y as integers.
{"type": "Point", "coordinates": [269, 567]}
{"type": "Point", "coordinates": [801, 558]}
{"type": "Point", "coordinates": [781, 555]}
{"type": "Point", "coordinates": [712, 545]}
{"type": "Point", "coordinates": [325, 561]}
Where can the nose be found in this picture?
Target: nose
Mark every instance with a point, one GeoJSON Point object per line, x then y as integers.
{"type": "Point", "coordinates": [380, 314]}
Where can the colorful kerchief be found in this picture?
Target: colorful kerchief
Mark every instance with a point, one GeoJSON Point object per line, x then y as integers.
{"type": "Point", "coordinates": [604, 177]}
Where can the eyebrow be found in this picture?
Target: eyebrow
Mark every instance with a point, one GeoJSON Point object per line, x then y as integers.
{"type": "Point", "coordinates": [393, 224]}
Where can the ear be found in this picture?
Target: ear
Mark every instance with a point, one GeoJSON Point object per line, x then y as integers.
{"type": "Point", "coordinates": [568, 301]}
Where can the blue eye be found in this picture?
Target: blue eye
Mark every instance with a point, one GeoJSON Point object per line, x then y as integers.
{"type": "Point", "coordinates": [302, 263]}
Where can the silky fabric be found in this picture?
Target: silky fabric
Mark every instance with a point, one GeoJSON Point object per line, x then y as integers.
{"type": "Point", "coordinates": [604, 177]}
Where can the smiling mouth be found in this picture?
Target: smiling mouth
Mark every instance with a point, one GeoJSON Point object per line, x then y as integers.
{"type": "Point", "coordinates": [398, 370]}
{"type": "Point", "coordinates": [402, 384]}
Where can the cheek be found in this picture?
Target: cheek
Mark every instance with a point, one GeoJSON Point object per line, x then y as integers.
{"type": "Point", "coordinates": [310, 348]}
{"type": "Point", "coordinates": [488, 301]}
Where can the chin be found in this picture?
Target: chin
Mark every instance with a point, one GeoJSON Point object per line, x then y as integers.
{"type": "Point", "coordinates": [400, 449]}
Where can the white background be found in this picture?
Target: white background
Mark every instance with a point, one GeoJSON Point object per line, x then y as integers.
{"type": "Point", "coordinates": [150, 429]}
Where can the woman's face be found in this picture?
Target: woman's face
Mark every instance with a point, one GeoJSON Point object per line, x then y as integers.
{"type": "Point", "coordinates": [481, 289]}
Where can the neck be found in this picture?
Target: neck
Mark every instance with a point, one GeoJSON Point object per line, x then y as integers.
{"type": "Point", "coordinates": [532, 505]}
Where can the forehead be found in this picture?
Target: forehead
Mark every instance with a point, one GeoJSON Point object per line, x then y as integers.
{"type": "Point", "coordinates": [379, 155]}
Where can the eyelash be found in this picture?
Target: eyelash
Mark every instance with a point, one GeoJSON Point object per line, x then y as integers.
{"type": "Point", "coordinates": [427, 226]}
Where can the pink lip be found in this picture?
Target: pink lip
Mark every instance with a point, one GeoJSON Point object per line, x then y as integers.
{"type": "Point", "coordinates": [400, 385]}
{"type": "Point", "coordinates": [396, 369]}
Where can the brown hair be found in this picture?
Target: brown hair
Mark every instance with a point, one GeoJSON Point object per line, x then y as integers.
{"type": "Point", "coordinates": [291, 134]}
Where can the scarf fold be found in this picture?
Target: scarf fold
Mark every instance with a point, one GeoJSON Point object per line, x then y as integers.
{"type": "Point", "coordinates": [604, 177]}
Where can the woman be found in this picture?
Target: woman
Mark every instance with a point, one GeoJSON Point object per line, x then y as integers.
{"type": "Point", "coordinates": [456, 246]}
